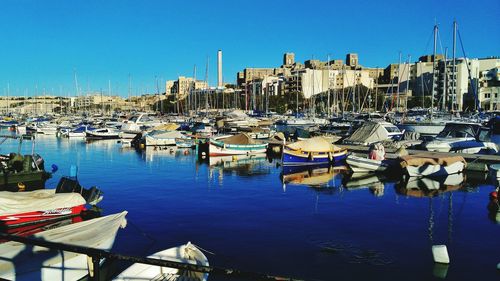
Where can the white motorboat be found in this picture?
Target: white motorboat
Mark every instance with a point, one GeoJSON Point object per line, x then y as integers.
{"type": "Point", "coordinates": [432, 166]}
{"type": "Point", "coordinates": [187, 253]}
{"type": "Point", "coordinates": [138, 123]}
{"type": "Point", "coordinates": [103, 133]}
{"type": "Point", "coordinates": [24, 262]}
{"type": "Point", "coordinates": [463, 138]}
{"type": "Point", "coordinates": [47, 129]}
{"type": "Point", "coordinates": [366, 165]}
{"type": "Point", "coordinates": [162, 138]}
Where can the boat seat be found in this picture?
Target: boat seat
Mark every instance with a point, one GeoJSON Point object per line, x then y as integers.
{"type": "Point", "coordinates": [174, 277]}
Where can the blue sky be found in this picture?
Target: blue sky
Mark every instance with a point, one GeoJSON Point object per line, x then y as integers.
{"type": "Point", "coordinates": [44, 42]}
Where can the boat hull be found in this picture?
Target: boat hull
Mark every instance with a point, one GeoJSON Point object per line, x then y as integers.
{"type": "Point", "coordinates": [220, 149]}
{"type": "Point", "coordinates": [293, 158]}
{"type": "Point", "coordinates": [365, 165]}
{"type": "Point", "coordinates": [152, 141]}
{"type": "Point", "coordinates": [435, 170]}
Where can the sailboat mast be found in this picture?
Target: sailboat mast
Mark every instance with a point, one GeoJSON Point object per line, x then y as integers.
{"type": "Point", "coordinates": [328, 99]}
{"type": "Point", "coordinates": [433, 69]}
{"type": "Point", "coordinates": [445, 82]}
{"type": "Point", "coordinates": [407, 82]}
{"type": "Point", "coordinates": [208, 88]}
{"type": "Point", "coordinates": [453, 95]}
{"type": "Point", "coordinates": [399, 80]}
{"type": "Point", "coordinates": [297, 96]}
{"type": "Point", "coordinates": [8, 97]}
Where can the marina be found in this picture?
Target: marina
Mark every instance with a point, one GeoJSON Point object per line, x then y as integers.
{"type": "Point", "coordinates": [216, 141]}
{"type": "Point", "coordinates": [319, 215]}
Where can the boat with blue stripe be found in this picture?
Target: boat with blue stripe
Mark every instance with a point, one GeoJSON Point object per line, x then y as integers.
{"type": "Point", "coordinates": [314, 151]}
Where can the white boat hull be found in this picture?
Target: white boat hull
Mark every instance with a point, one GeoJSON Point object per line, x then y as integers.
{"type": "Point", "coordinates": [221, 151]}
{"type": "Point", "coordinates": [185, 253]}
{"type": "Point", "coordinates": [435, 170]}
{"type": "Point", "coordinates": [365, 165]}
{"type": "Point", "coordinates": [152, 141]}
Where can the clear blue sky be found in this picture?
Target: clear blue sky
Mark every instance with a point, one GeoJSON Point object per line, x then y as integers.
{"type": "Point", "coordinates": [43, 42]}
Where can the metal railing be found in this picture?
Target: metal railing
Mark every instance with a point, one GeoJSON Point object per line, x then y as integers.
{"type": "Point", "coordinates": [97, 255]}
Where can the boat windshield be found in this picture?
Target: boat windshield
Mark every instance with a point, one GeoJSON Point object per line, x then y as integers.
{"type": "Point", "coordinates": [457, 131]}
{"type": "Point", "coordinates": [392, 129]}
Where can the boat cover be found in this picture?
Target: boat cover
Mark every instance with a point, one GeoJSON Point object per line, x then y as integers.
{"type": "Point", "coordinates": [166, 134]}
{"type": "Point", "coordinates": [39, 200]}
{"type": "Point", "coordinates": [19, 259]}
{"type": "Point", "coordinates": [239, 139]}
{"type": "Point", "coordinates": [316, 144]}
{"type": "Point", "coordinates": [370, 132]}
{"type": "Point", "coordinates": [166, 127]}
{"type": "Point", "coordinates": [417, 161]}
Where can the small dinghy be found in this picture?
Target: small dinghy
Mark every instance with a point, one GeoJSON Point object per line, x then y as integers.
{"type": "Point", "coordinates": [187, 253]}
{"type": "Point", "coordinates": [432, 166]}
{"type": "Point", "coordinates": [375, 162]}
{"type": "Point", "coordinates": [240, 144]}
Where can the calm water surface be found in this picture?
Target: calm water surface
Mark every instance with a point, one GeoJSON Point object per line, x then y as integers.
{"type": "Point", "coordinates": [319, 225]}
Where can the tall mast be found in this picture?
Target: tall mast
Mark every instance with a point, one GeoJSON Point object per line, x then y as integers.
{"type": "Point", "coordinates": [194, 76]}
{"type": "Point", "coordinates": [399, 80]}
{"type": "Point", "coordinates": [453, 94]}
{"type": "Point", "coordinates": [433, 69]}
{"type": "Point", "coordinates": [8, 98]}
{"type": "Point", "coordinates": [445, 82]}
{"type": "Point", "coordinates": [407, 82]}
{"type": "Point", "coordinates": [208, 88]}
{"type": "Point", "coordinates": [129, 87]}
{"type": "Point", "coordinates": [328, 99]}
{"type": "Point", "coordinates": [297, 96]}
{"type": "Point", "coordinates": [109, 89]}
{"type": "Point", "coordinates": [76, 84]}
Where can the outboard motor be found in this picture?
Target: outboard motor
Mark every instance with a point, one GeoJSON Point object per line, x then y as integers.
{"type": "Point", "coordinates": [67, 184]}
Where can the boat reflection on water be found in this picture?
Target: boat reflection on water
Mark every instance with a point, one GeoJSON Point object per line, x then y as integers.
{"type": "Point", "coordinates": [150, 153]}
{"type": "Point", "coordinates": [322, 177]}
{"type": "Point", "coordinates": [376, 183]}
{"type": "Point", "coordinates": [430, 187]}
{"type": "Point", "coordinates": [240, 165]}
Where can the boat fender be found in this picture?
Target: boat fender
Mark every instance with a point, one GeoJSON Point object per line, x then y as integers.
{"type": "Point", "coordinates": [330, 156]}
{"type": "Point", "coordinates": [310, 156]}
{"type": "Point", "coordinates": [493, 195]}
{"type": "Point", "coordinates": [224, 146]}
{"type": "Point", "coordinates": [21, 186]}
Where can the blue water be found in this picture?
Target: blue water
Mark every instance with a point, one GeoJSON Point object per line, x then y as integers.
{"type": "Point", "coordinates": [244, 214]}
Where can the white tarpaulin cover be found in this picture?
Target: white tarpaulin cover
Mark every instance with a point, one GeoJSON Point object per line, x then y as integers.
{"type": "Point", "coordinates": [21, 262]}
{"type": "Point", "coordinates": [370, 132]}
{"type": "Point", "coordinates": [166, 134]}
{"type": "Point", "coordinates": [39, 200]}
{"type": "Point", "coordinates": [316, 144]}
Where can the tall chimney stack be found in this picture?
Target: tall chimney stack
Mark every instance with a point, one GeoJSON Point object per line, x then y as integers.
{"type": "Point", "coordinates": [219, 69]}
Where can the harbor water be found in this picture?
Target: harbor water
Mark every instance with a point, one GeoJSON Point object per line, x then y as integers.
{"type": "Point", "coordinates": [321, 224]}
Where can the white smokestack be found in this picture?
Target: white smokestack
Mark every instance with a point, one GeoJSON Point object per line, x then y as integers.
{"type": "Point", "coordinates": [219, 69]}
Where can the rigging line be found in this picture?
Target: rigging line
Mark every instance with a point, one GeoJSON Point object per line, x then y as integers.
{"type": "Point", "coordinates": [428, 42]}
{"type": "Point", "coordinates": [439, 40]}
